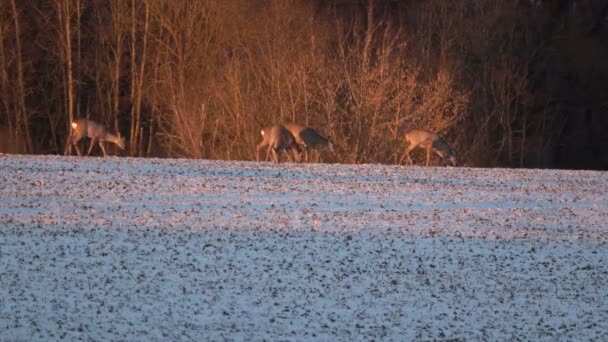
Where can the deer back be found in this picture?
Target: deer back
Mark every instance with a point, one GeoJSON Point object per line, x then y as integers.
{"type": "Point", "coordinates": [445, 151]}
{"type": "Point", "coordinates": [88, 128]}
{"type": "Point", "coordinates": [296, 131]}
{"type": "Point", "coordinates": [280, 138]}
{"type": "Point", "coordinates": [420, 137]}
{"type": "Point", "coordinates": [313, 139]}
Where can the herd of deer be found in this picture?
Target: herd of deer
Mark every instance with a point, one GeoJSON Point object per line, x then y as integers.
{"type": "Point", "coordinates": [291, 138]}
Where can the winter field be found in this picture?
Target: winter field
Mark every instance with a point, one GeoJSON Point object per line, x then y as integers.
{"type": "Point", "coordinates": [190, 250]}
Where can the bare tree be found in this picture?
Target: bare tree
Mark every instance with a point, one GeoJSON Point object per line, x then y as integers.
{"type": "Point", "coordinates": [65, 10]}
{"type": "Point", "coordinates": [137, 78]}
{"type": "Point", "coordinates": [22, 129]}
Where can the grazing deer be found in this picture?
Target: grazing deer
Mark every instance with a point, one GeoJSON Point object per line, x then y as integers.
{"type": "Point", "coordinates": [428, 141]}
{"type": "Point", "coordinates": [278, 138]}
{"type": "Point", "coordinates": [82, 128]}
{"type": "Point", "coordinates": [309, 138]}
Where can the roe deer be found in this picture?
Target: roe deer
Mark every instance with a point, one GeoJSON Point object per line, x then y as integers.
{"type": "Point", "coordinates": [309, 138]}
{"type": "Point", "coordinates": [428, 141]}
{"type": "Point", "coordinates": [278, 138]}
{"type": "Point", "coordinates": [82, 128]}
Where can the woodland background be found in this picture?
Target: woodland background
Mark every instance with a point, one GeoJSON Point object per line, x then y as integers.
{"type": "Point", "coordinates": [507, 83]}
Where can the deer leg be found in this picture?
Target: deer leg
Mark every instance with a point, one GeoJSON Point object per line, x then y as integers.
{"type": "Point", "coordinates": [403, 157]}
{"type": "Point", "coordinates": [68, 147]}
{"type": "Point", "coordinates": [93, 142]}
{"type": "Point", "coordinates": [315, 156]}
{"type": "Point", "coordinates": [408, 150]}
{"type": "Point", "coordinates": [257, 151]}
{"type": "Point", "coordinates": [100, 143]}
{"type": "Point", "coordinates": [296, 152]}
{"type": "Point", "coordinates": [428, 156]}
{"type": "Point", "coordinates": [410, 147]}
{"type": "Point", "coordinates": [72, 142]}
{"type": "Point", "coordinates": [75, 143]}
{"type": "Point", "coordinates": [268, 156]}
{"type": "Point", "coordinates": [442, 156]}
{"type": "Point", "coordinates": [275, 155]}
{"type": "Point", "coordinates": [270, 152]}
{"type": "Point", "coordinates": [289, 153]}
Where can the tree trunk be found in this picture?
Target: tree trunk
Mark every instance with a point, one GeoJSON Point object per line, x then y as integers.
{"type": "Point", "coordinates": [22, 123]}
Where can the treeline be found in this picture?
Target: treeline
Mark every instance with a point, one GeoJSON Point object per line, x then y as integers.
{"type": "Point", "coordinates": [507, 83]}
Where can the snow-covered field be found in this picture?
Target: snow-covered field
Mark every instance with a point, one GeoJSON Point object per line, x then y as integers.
{"type": "Point", "coordinates": [168, 249]}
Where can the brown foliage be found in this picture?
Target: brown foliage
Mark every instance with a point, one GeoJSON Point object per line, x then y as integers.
{"type": "Point", "coordinates": [507, 83]}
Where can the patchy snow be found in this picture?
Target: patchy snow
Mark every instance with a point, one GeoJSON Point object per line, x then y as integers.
{"type": "Point", "coordinates": [170, 249]}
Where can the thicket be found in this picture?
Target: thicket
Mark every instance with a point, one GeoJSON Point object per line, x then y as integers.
{"type": "Point", "coordinates": [507, 83]}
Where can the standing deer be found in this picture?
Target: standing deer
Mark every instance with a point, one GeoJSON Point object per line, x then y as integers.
{"type": "Point", "coordinates": [309, 138]}
{"type": "Point", "coordinates": [82, 128]}
{"type": "Point", "coordinates": [278, 138]}
{"type": "Point", "coordinates": [428, 141]}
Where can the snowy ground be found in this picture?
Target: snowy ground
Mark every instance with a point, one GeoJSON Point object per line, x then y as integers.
{"type": "Point", "coordinates": [157, 250]}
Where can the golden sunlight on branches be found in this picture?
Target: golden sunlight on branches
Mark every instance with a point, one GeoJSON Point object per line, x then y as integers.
{"type": "Point", "coordinates": [518, 84]}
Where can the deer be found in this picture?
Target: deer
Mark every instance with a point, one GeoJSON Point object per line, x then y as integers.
{"type": "Point", "coordinates": [430, 142]}
{"type": "Point", "coordinates": [98, 133]}
{"type": "Point", "coordinates": [277, 138]}
{"type": "Point", "coordinates": [309, 138]}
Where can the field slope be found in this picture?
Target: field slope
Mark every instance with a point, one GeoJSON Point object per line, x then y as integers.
{"type": "Point", "coordinates": [171, 249]}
